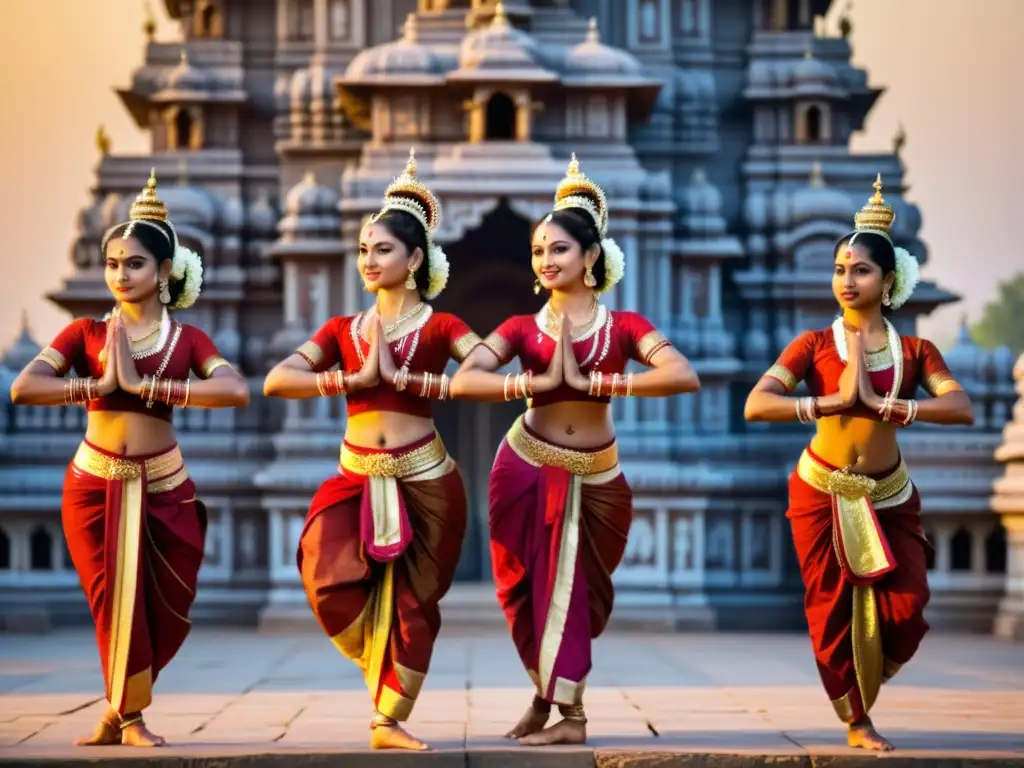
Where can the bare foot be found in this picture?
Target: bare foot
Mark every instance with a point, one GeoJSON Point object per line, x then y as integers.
{"type": "Point", "coordinates": [535, 719]}
{"type": "Point", "coordinates": [863, 735]}
{"type": "Point", "coordinates": [108, 731]}
{"type": "Point", "coordinates": [562, 732]}
{"type": "Point", "coordinates": [138, 735]}
{"type": "Point", "coordinates": [393, 736]}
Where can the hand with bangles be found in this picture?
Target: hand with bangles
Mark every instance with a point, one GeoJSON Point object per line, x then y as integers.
{"type": "Point", "coordinates": [128, 378]}
{"type": "Point", "coordinates": [856, 370]}
{"type": "Point", "coordinates": [107, 383]}
{"type": "Point", "coordinates": [570, 367]}
{"type": "Point", "coordinates": [555, 374]}
{"type": "Point", "coordinates": [369, 375]}
{"type": "Point", "coordinates": [386, 361]}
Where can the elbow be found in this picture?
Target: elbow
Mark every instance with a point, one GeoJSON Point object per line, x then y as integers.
{"type": "Point", "coordinates": [968, 415]}
{"type": "Point", "coordinates": [692, 381]}
{"type": "Point", "coordinates": [456, 388]}
{"type": "Point", "coordinates": [241, 394]}
{"type": "Point", "coordinates": [17, 392]}
{"type": "Point", "coordinates": [750, 410]}
{"type": "Point", "coordinates": [271, 386]}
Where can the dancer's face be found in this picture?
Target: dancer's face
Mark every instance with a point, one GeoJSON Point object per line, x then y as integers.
{"type": "Point", "coordinates": [559, 262]}
{"type": "Point", "coordinates": [857, 281]}
{"type": "Point", "coordinates": [384, 261]}
{"type": "Point", "coordinates": [131, 272]}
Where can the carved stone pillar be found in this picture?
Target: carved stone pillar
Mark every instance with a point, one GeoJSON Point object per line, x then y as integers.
{"type": "Point", "coordinates": [1008, 501]}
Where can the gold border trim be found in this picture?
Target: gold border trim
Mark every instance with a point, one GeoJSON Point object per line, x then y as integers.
{"type": "Point", "coordinates": [650, 344]}
{"type": "Point", "coordinates": [396, 465]}
{"type": "Point", "coordinates": [540, 453]}
{"type": "Point", "coordinates": [212, 365]}
{"type": "Point", "coordinates": [463, 345]}
{"type": "Point", "coordinates": [867, 645]}
{"type": "Point", "coordinates": [499, 346]}
{"type": "Point", "coordinates": [783, 375]}
{"type": "Point", "coordinates": [126, 581]}
{"type": "Point", "coordinates": [310, 351]}
{"type": "Point", "coordinates": [54, 359]}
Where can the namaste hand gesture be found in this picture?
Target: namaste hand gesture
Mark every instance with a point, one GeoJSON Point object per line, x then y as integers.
{"type": "Point", "coordinates": [369, 374]}
{"type": "Point", "coordinates": [109, 355]}
{"type": "Point", "coordinates": [388, 369]}
{"type": "Point", "coordinates": [552, 377]}
{"type": "Point", "coordinates": [571, 369]}
{"type": "Point", "coordinates": [128, 377]}
{"type": "Point", "coordinates": [849, 382]}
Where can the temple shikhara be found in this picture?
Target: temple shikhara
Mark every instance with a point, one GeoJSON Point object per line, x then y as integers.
{"type": "Point", "coordinates": [720, 132]}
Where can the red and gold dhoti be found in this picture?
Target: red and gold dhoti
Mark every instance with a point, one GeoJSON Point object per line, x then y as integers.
{"type": "Point", "coordinates": [135, 532]}
{"type": "Point", "coordinates": [378, 552]}
{"type": "Point", "coordinates": [559, 520]}
{"type": "Point", "coordinates": [862, 558]}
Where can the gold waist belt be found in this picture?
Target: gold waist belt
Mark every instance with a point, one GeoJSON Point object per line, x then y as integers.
{"type": "Point", "coordinates": [541, 453]}
{"type": "Point", "coordinates": [163, 473]}
{"type": "Point", "coordinates": [849, 485]}
{"type": "Point", "coordinates": [398, 465]}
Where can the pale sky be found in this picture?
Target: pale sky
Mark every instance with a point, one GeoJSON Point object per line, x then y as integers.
{"type": "Point", "coordinates": [954, 74]}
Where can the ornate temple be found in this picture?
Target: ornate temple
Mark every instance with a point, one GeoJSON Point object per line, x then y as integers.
{"type": "Point", "coordinates": [720, 131]}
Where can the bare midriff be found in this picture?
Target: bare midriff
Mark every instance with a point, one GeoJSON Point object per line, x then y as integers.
{"type": "Point", "coordinates": [573, 424]}
{"type": "Point", "coordinates": [862, 445]}
{"type": "Point", "coordinates": [386, 429]}
{"type": "Point", "coordinates": [129, 434]}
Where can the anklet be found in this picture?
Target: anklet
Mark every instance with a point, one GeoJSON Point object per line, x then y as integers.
{"type": "Point", "coordinates": [382, 721]}
{"type": "Point", "coordinates": [574, 713]}
{"type": "Point", "coordinates": [130, 721]}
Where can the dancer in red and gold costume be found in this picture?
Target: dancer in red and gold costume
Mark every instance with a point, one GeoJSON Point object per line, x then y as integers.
{"type": "Point", "coordinates": [383, 537]}
{"type": "Point", "coordinates": [133, 524]}
{"type": "Point", "coordinates": [560, 509]}
{"type": "Point", "coordinates": [854, 511]}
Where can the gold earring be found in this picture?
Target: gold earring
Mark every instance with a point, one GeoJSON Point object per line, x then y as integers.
{"type": "Point", "coordinates": [589, 280]}
{"type": "Point", "coordinates": [886, 299]}
{"type": "Point", "coordinates": [165, 293]}
{"type": "Point", "coordinates": [536, 287]}
{"type": "Point", "coordinates": [410, 280]}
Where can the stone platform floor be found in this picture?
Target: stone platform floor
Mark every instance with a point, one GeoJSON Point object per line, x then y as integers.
{"type": "Point", "coordinates": [241, 699]}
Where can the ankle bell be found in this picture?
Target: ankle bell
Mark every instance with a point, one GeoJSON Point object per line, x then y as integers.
{"type": "Point", "coordinates": [573, 713]}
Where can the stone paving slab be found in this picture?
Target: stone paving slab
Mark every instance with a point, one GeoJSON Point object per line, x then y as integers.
{"type": "Point", "coordinates": [241, 700]}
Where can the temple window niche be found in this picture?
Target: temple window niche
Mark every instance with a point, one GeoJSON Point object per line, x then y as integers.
{"type": "Point", "coordinates": [501, 118]}
{"type": "Point", "coordinates": [339, 19]}
{"type": "Point", "coordinates": [813, 124]}
{"type": "Point", "coordinates": [184, 129]}
{"type": "Point", "coordinates": [208, 21]}
{"type": "Point", "coordinates": [649, 13]}
{"type": "Point", "coordinates": [689, 18]}
{"type": "Point", "coordinates": [301, 20]}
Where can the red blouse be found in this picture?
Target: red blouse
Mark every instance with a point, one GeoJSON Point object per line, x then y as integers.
{"type": "Point", "coordinates": [813, 357]}
{"type": "Point", "coordinates": [426, 341]}
{"type": "Point", "coordinates": [611, 342]}
{"type": "Point", "coordinates": [185, 349]}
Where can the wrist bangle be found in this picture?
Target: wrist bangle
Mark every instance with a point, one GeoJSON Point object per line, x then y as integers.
{"type": "Point", "coordinates": [911, 413]}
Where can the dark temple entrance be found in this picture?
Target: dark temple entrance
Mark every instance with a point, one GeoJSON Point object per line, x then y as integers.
{"type": "Point", "coordinates": [490, 281]}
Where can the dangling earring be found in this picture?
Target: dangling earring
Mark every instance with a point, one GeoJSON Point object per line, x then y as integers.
{"type": "Point", "coordinates": [886, 299]}
{"type": "Point", "coordinates": [589, 280]}
{"type": "Point", "coordinates": [410, 280]}
{"type": "Point", "coordinates": [165, 293]}
{"type": "Point", "coordinates": [536, 287]}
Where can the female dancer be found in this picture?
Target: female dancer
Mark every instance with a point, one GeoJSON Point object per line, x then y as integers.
{"type": "Point", "coordinates": [855, 514]}
{"type": "Point", "coordinates": [560, 508]}
{"type": "Point", "coordinates": [383, 537]}
{"type": "Point", "coordinates": [134, 526]}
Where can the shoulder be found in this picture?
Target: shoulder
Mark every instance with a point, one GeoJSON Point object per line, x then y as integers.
{"type": "Point", "coordinates": [629, 318]}
{"type": "Point", "coordinates": [915, 345]}
{"type": "Point", "coordinates": [445, 319]}
{"type": "Point", "coordinates": [814, 338]}
{"type": "Point", "coordinates": [517, 322]}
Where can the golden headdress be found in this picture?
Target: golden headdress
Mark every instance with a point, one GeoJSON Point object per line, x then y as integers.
{"type": "Point", "coordinates": [407, 193]}
{"type": "Point", "coordinates": [578, 191]}
{"type": "Point", "coordinates": [149, 208]}
{"type": "Point", "coordinates": [877, 215]}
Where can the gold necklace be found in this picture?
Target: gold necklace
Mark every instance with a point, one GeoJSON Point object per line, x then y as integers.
{"type": "Point", "coordinates": [553, 322]}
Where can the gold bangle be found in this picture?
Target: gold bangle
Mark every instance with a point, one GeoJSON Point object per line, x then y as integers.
{"type": "Point", "coordinates": [188, 387]}
{"type": "Point", "coordinates": [505, 387]}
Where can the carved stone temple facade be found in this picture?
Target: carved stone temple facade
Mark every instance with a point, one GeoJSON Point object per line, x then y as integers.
{"type": "Point", "coordinates": [720, 131]}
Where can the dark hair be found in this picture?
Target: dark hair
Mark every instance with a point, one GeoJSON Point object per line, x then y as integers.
{"type": "Point", "coordinates": [408, 230]}
{"type": "Point", "coordinates": [581, 227]}
{"type": "Point", "coordinates": [878, 247]}
{"type": "Point", "coordinates": [158, 238]}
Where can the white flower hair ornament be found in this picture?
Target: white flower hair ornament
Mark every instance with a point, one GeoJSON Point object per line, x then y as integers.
{"type": "Point", "coordinates": [908, 275]}
{"type": "Point", "coordinates": [614, 264]}
{"type": "Point", "coordinates": [437, 270]}
{"type": "Point", "coordinates": [877, 217]}
{"type": "Point", "coordinates": [186, 267]}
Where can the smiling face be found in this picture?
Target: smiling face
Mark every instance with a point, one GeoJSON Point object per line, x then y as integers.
{"type": "Point", "coordinates": [558, 260]}
{"type": "Point", "coordinates": [131, 272]}
{"type": "Point", "coordinates": [384, 261]}
{"type": "Point", "coordinates": [857, 281]}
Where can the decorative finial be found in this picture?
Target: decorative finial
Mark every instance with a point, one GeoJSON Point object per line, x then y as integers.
{"type": "Point", "coordinates": [500, 17]}
{"type": "Point", "coordinates": [593, 33]}
{"type": "Point", "coordinates": [411, 32]}
{"type": "Point", "coordinates": [102, 141]}
{"type": "Point", "coordinates": [574, 166]}
{"type": "Point", "coordinates": [149, 27]}
{"type": "Point", "coordinates": [410, 167]}
{"type": "Point", "coordinates": [877, 199]}
{"type": "Point", "coordinates": [899, 140]}
{"type": "Point", "coordinates": [817, 177]}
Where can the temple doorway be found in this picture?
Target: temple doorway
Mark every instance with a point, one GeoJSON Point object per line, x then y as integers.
{"type": "Point", "coordinates": [490, 281]}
